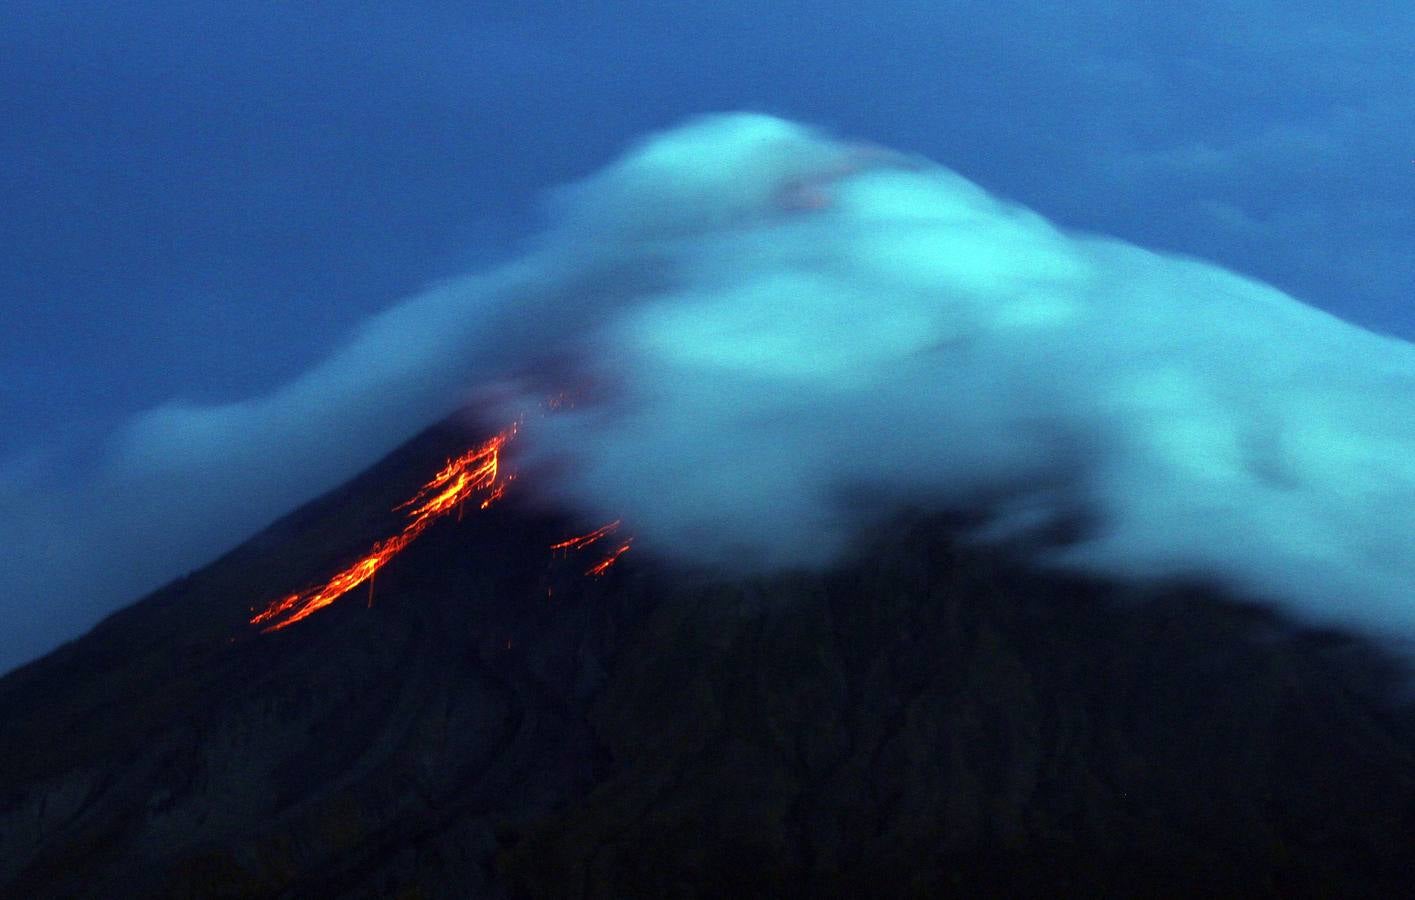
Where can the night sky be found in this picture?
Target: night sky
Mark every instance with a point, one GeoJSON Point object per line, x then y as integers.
{"type": "Point", "coordinates": [199, 201]}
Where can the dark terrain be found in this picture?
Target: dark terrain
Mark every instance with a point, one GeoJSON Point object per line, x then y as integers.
{"type": "Point", "coordinates": [925, 720]}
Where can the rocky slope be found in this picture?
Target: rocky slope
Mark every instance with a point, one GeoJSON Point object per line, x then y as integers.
{"type": "Point", "coordinates": [923, 720]}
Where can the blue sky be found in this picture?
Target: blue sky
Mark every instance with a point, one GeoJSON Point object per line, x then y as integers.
{"type": "Point", "coordinates": [201, 200]}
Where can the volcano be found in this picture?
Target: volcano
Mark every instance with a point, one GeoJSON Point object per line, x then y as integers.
{"type": "Point", "coordinates": [925, 718]}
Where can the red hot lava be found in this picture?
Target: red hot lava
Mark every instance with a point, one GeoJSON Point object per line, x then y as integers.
{"type": "Point", "coordinates": [580, 542]}
{"type": "Point", "coordinates": [476, 471]}
{"type": "Point", "coordinates": [604, 565]}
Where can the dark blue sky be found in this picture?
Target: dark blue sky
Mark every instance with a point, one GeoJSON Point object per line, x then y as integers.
{"type": "Point", "coordinates": [198, 200]}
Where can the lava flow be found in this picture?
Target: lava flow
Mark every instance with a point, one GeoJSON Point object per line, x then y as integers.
{"type": "Point", "coordinates": [580, 542]}
{"type": "Point", "coordinates": [604, 565]}
{"type": "Point", "coordinates": [477, 470]}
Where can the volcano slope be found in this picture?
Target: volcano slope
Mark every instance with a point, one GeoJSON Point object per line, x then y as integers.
{"type": "Point", "coordinates": [925, 719]}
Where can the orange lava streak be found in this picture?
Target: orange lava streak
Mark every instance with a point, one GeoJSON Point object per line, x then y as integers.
{"type": "Point", "coordinates": [479, 469]}
{"type": "Point", "coordinates": [581, 541]}
{"type": "Point", "coordinates": [604, 565]}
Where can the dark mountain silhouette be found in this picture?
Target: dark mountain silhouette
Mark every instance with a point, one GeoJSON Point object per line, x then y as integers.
{"type": "Point", "coordinates": [926, 719]}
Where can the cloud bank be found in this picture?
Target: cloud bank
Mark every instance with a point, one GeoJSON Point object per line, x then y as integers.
{"type": "Point", "coordinates": [780, 339]}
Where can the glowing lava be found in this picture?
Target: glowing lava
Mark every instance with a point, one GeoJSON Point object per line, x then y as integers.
{"type": "Point", "coordinates": [581, 541]}
{"type": "Point", "coordinates": [603, 565]}
{"type": "Point", "coordinates": [477, 470]}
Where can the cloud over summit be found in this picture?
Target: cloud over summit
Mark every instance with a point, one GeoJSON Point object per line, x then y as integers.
{"type": "Point", "coordinates": [796, 336]}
